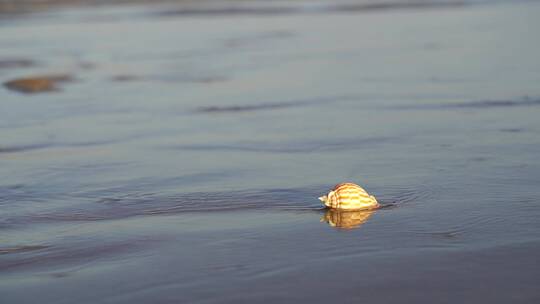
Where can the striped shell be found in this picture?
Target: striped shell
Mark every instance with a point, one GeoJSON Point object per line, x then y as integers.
{"type": "Point", "coordinates": [349, 196]}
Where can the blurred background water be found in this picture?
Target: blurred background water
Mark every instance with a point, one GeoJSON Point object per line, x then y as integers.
{"type": "Point", "coordinates": [173, 151]}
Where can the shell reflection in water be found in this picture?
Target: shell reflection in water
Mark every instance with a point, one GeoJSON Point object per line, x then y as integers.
{"type": "Point", "coordinates": [346, 219]}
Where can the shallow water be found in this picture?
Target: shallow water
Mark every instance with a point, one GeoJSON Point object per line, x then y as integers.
{"type": "Point", "coordinates": [184, 161]}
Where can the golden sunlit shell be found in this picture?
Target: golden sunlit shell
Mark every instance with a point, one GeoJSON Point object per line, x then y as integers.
{"type": "Point", "coordinates": [349, 196]}
{"type": "Point", "coordinates": [344, 219]}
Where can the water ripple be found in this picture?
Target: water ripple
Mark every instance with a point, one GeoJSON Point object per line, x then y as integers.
{"type": "Point", "coordinates": [477, 104]}
{"type": "Point", "coordinates": [121, 206]}
{"type": "Point", "coordinates": [311, 9]}
{"type": "Point", "coordinates": [76, 252]}
{"type": "Point", "coordinates": [272, 105]}
{"type": "Point", "coordinates": [297, 146]}
{"type": "Point", "coordinates": [18, 249]}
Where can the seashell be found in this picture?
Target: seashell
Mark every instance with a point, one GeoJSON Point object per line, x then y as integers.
{"type": "Point", "coordinates": [349, 196]}
{"type": "Point", "coordinates": [345, 219]}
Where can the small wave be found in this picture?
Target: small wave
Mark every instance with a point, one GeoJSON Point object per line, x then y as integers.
{"type": "Point", "coordinates": [47, 145]}
{"type": "Point", "coordinates": [479, 104]}
{"type": "Point", "coordinates": [140, 204]}
{"type": "Point", "coordinates": [257, 38]}
{"type": "Point", "coordinates": [445, 234]}
{"type": "Point", "coordinates": [459, 228]}
{"type": "Point", "coordinates": [72, 253]}
{"type": "Point", "coordinates": [397, 195]}
{"type": "Point", "coordinates": [245, 108]}
{"type": "Point", "coordinates": [495, 103]}
{"type": "Point", "coordinates": [146, 204]}
{"type": "Point", "coordinates": [331, 144]}
{"type": "Point", "coordinates": [24, 148]}
{"type": "Point", "coordinates": [18, 249]}
{"type": "Point", "coordinates": [271, 105]}
{"type": "Point", "coordinates": [171, 78]}
{"type": "Point", "coordinates": [41, 146]}
{"type": "Point", "coordinates": [512, 130]}
{"type": "Point", "coordinates": [251, 10]}
{"type": "Point", "coordinates": [15, 63]}
{"type": "Point", "coordinates": [16, 192]}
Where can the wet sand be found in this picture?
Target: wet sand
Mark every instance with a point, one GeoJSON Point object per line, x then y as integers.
{"type": "Point", "coordinates": [183, 160]}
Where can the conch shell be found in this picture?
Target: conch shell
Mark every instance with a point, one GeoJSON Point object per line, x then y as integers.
{"type": "Point", "coordinates": [349, 196]}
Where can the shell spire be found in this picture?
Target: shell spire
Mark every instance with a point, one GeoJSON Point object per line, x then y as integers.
{"type": "Point", "coordinates": [349, 196]}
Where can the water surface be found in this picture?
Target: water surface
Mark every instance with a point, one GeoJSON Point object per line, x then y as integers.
{"type": "Point", "coordinates": [183, 161]}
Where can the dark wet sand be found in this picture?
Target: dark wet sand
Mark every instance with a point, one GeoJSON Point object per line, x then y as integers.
{"type": "Point", "coordinates": [183, 162]}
